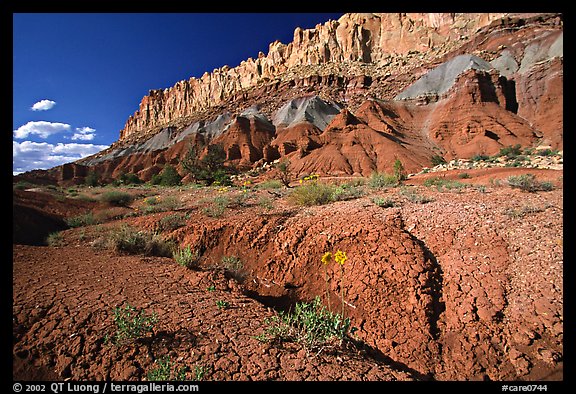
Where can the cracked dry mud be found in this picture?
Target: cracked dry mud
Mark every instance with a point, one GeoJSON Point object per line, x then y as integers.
{"type": "Point", "coordinates": [468, 286]}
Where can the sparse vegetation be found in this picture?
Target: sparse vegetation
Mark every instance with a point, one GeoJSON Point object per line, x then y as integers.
{"type": "Point", "coordinates": [200, 372]}
{"type": "Point", "coordinates": [169, 176]}
{"type": "Point", "coordinates": [92, 179]}
{"type": "Point", "coordinates": [312, 193]}
{"type": "Point", "coordinates": [171, 222]}
{"type": "Point", "coordinates": [347, 191]}
{"type": "Point", "coordinates": [130, 240]}
{"type": "Point", "coordinates": [54, 239]}
{"type": "Point", "coordinates": [217, 207]}
{"type": "Point", "coordinates": [221, 304]}
{"type": "Point", "coordinates": [412, 196]}
{"type": "Point", "coordinates": [85, 219]}
{"type": "Point", "coordinates": [115, 197]}
{"type": "Point", "coordinates": [265, 202]}
{"type": "Point", "coordinates": [132, 324]}
{"type": "Point", "coordinates": [437, 160]}
{"type": "Point", "coordinates": [166, 370]}
{"type": "Point", "coordinates": [270, 184]}
{"type": "Point", "coordinates": [186, 257]}
{"type": "Point", "coordinates": [311, 324]}
{"type": "Point", "coordinates": [442, 184]}
{"type": "Point", "coordinates": [209, 169]}
{"type": "Point", "coordinates": [510, 151]}
{"type": "Point", "coordinates": [399, 171]}
{"type": "Point", "coordinates": [517, 213]}
{"type": "Point", "coordinates": [528, 183]}
{"type": "Point", "coordinates": [464, 175]}
{"type": "Point", "coordinates": [382, 180]}
{"type": "Point", "coordinates": [284, 172]}
{"type": "Point", "coordinates": [479, 157]}
{"type": "Point", "coordinates": [384, 202]}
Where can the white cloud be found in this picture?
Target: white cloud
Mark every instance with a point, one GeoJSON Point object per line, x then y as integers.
{"type": "Point", "coordinates": [43, 105]}
{"type": "Point", "coordinates": [29, 155]}
{"type": "Point", "coordinates": [40, 128]}
{"type": "Point", "coordinates": [84, 134]}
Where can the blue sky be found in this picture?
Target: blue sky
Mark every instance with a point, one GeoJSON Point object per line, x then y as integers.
{"type": "Point", "coordinates": [78, 77]}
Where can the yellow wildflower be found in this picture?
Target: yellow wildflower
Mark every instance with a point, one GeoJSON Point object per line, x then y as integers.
{"type": "Point", "coordinates": [327, 258]}
{"type": "Point", "coordinates": [340, 257]}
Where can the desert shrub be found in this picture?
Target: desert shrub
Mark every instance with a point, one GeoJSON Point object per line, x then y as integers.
{"type": "Point", "coordinates": [265, 202]}
{"type": "Point", "coordinates": [437, 160]}
{"type": "Point", "coordinates": [21, 185]}
{"type": "Point", "coordinates": [92, 179]}
{"type": "Point", "coordinates": [412, 196]}
{"type": "Point", "coordinates": [384, 202]}
{"type": "Point", "coordinates": [346, 192]}
{"type": "Point", "coordinates": [528, 183]}
{"type": "Point", "coordinates": [382, 180]}
{"type": "Point", "coordinates": [464, 175]}
{"type": "Point", "coordinates": [313, 193]}
{"type": "Point", "coordinates": [166, 370]}
{"type": "Point", "coordinates": [171, 222]}
{"type": "Point", "coordinates": [270, 184]}
{"type": "Point", "coordinates": [510, 151]}
{"type": "Point", "coordinates": [443, 184]}
{"type": "Point", "coordinates": [284, 172]}
{"type": "Point", "coordinates": [132, 324]}
{"type": "Point", "coordinates": [222, 304]}
{"type": "Point", "coordinates": [479, 157]}
{"type": "Point", "coordinates": [218, 206]}
{"type": "Point", "coordinates": [170, 176]}
{"type": "Point", "coordinates": [130, 240]}
{"type": "Point", "coordinates": [54, 239]}
{"type": "Point", "coordinates": [209, 169]}
{"type": "Point", "coordinates": [186, 257]}
{"type": "Point", "coordinates": [115, 197]}
{"type": "Point", "coordinates": [85, 219]}
{"type": "Point", "coordinates": [311, 324]}
{"type": "Point", "coordinates": [399, 171]}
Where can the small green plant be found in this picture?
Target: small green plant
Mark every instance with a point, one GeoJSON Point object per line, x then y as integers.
{"type": "Point", "coordinates": [347, 191]}
{"type": "Point", "coordinates": [86, 219]}
{"type": "Point", "coordinates": [528, 183]}
{"type": "Point", "coordinates": [510, 151]}
{"type": "Point", "coordinates": [412, 196]}
{"type": "Point", "coordinates": [384, 202]}
{"type": "Point", "coordinates": [479, 157]}
{"type": "Point", "coordinates": [169, 176]}
{"type": "Point", "coordinates": [166, 370]}
{"type": "Point", "coordinates": [312, 193]}
{"type": "Point", "coordinates": [382, 180]}
{"type": "Point", "coordinates": [54, 239]}
{"type": "Point", "coordinates": [186, 257]}
{"type": "Point", "coordinates": [221, 304]}
{"type": "Point", "coordinates": [132, 324]}
{"type": "Point", "coordinates": [437, 160]}
{"type": "Point", "coordinates": [265, 203]}
{"type": "Point", "coordinates": [218, 206]}
{"type": "Point", "coordinates": [464, 175]}
{"type": "Point", "coordinates": [130, 240]}
{"type": "Point", "coordinates": [284, 172]}
{"type": "Point", "coordinates": [270, 184]}
{"type": "Point", "coordinates": [399, 171]}
{"type": "Point", "coordinates": [92, 179]}
{"type": "Point", "coordinates": [444, 184]}
{"type": "Point", "coordinates": [200, 372]}
{"type": "Point", "coordinates": [311, 324]}
{"type": "Point", "coordinates": [211, 288]}
{"type": "Point", "coordinates": [21, 185]}
{"type": "Point", "coordinates": [117, 198]}
{"type": "Point", "coordinates": [171, 222]}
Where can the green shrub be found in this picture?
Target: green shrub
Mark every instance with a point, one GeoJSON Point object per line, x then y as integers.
{"type": "Point", "coordinates": [313, 193]}
{"type": "Point", "coordinates": [218, 206]}
{"type": "Point", "coordinates": [165, 371]}
{"type": "Point", "coordinates": [382, 180]}
{"type": "Point", "coordinates": [171, 222]}
{"type": "Point", "coordinates": [85, 219]}
{"type": "Point", "coordinates": [187, 257]}
{"type": "Point", "coordinates": [115, 197]}
{"type": "Point", "coordinates": [412, 196]}
{"type": "Point", "coordinates": [270, 184]}
{"type": "Point", "coordinates": [265, 202]}
{"type": "Point", "coordinates": [443, 184]}
{"type": "Point", "coordinates": [54, 239]}
{"type": "Point", "coordinates": [311, 324]}
{"type": "Point", "coordinates": [346, 192]}
{"type": "Point", "coordinates": [437, 160]}
{"type": "Point", "coordinates": [130, 240]}
{"type": "Point", "coordinates": [510, 151]}
{"type": "Point", "coordinates": [464, 175]}
{"type": "Point", "coordinates": [21, 185]}
{"type": "Point", "coordinates": [384, 202]}
{"type": "Point", "coordinates": [399, 172]}
{"type": "Point", "coordinates": [92, 179]}
{"type": "Point", "coordinates": [528, 183]}
{"type": "Point", "coordinates": [479, 157]}
{"type": "Point", "coordinates": [170, 176]}
{"type": "Point", "coordinates": [132, 324]}
{"type": "Point", "coordinates": [221, 304]}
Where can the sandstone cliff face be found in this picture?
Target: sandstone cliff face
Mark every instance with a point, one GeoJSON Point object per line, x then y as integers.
{"type": "Point", "coordinates": [364, 38]}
